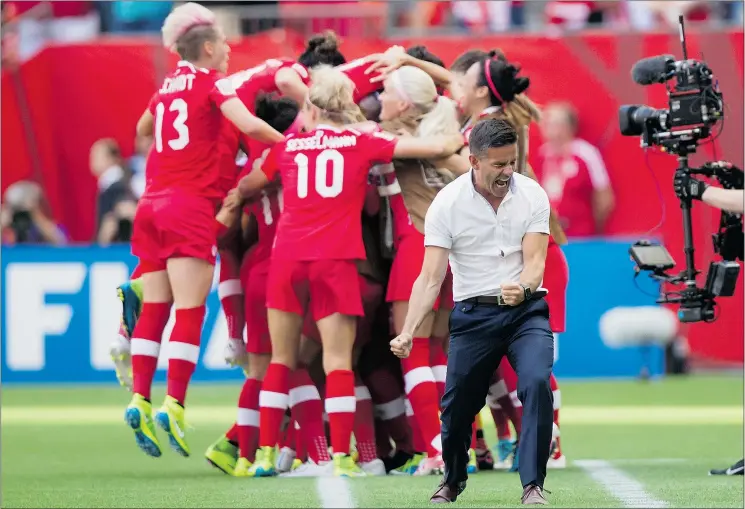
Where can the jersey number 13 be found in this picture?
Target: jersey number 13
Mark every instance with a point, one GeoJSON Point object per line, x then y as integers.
{"type": "Point", "coordinates": [178, 106]}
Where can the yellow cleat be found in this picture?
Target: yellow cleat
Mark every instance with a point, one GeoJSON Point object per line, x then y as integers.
{"type": "Point", "coordinates": [296, 463]}
{"type": "Point", "coordinates": [170, 418]}
{"type": "Point", "coordinates": [264, 464]}
{"type": "Point", "coordinates": [222, 455]}
{"type": "Point", "coordinates": [138, 416]}
{"type": "Point", "coordinates": [242, 468]}
{"type": "Point", "coordinates": [473, 464]}
{"type": "Point", "coordinates": [344, 466]}
{"type": "Point", "coordinates": [410, 466]}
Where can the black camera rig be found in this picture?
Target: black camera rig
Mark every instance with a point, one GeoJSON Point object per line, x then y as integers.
{"type": "Point", "coordinates": [695, 105]}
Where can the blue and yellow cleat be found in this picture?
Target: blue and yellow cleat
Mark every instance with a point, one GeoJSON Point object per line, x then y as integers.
{"type": "Point", "coordinates": [473, 465]}
{"type": "Point", "coordinates": [130, 293]}
{"type": "Point", "coordinates": [242, 468]}
{"type": "Point", "coordinates": [410, 466]}
{"type": "Point", "coordinates": [263, 465]}
{"type": "Point", "coordinates": [504, 449]}
{"type": "Point", "coordinates": [138, 416]}
{"type": "Point", "coordinates": [345, 466]}
{"type": "Point", "coordinates": [516, 459]}
{"type": "Point", "coordinates": [222, 455]}
{"type": "Point", "coordinates": [170, 418]}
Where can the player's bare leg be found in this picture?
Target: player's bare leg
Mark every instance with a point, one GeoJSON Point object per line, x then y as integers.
{"type": "Point", "coordinates": [191, 279]}
{"type": "Point", "coordinates": [145, 345]}
{"type": "Point", "coordinates": [285, 329]}
{"type": "Point", "coordinates": [337, 335]}
{"type": "Point", "coordinates": [421, 392]}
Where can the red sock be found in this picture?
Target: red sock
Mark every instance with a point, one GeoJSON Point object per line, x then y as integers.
{"type": "Point", "coordinates": [511, 405]}
{"type": "Point", "coordinates": [364, 424]}
{"type": "Point", "coordinates": [417, 441]}
{"type": "Point", "coordinates": [557, 406]}
{"type": "Point", "coordinates": [145, 343]}
{"type": "Point", "coordinates": [390, 407]}
{"type": "Point", "coordinates": [474, 442]}
{"type": "Point", "coordinates": [497, 392]}
{"type": "Point", "coordinates": [340, 407]}
{"type": "Point", "coordinates": [137, 272]}
{"type": "Point", "coordinates": [422, 393]}
{"type": "Point", "coordinates": [232, 434]}
{"type": "Point", "coordinates": [307, 410]}
{"type": "Point", "coordinates": [231, 294]}
{"type": "Point", "coordinates": [273, 403]}
{"type": "Point", "coordinates": [438, 361]}
{"type": "Point", "coordinates": [248, 418]}
{"type": "Point", "coordinates": [301, 447]}
{"type": "Point", "coordinates": [288, 437]}
{"type": "Point", "coordinates": [183, 350]}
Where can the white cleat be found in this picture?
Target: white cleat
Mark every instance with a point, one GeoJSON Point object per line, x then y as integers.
{"type": "Point", "coordinates": [558, 462]}
{"type": "Point", "coordinates": [311, 469]}
{"type": "Point", "coordinates": [375, 467]}
{"type": "Point", "coordinates": [431, 466]}
{"type": "Point", "coordinates": [285, 459]}
{"type": "Point", "coordinates": [235, 354]}
{"type": "Point", "coordinates": [120, 351]}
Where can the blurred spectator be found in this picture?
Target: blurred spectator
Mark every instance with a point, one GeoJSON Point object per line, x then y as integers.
{"type": "Point", "coordinates": [9, 30]}
{"type": "Point", "coordinates": [69, 21]}
{"type": "Point", "coordinates": [26, 218]}
{"type": "Point", "coordinates": [114, 178]}
{"type": "Point", "coordinates": [573, 174]}
{"type": "Point", "coordinates": [137, 16]}
{"type": "Point", "coordinates": [116, 226]}
{"type": "Point", "coordinates": [137, 164]}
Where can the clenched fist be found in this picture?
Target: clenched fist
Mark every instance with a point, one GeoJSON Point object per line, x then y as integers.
{"type": "Point", "coordinates": [401, 345]}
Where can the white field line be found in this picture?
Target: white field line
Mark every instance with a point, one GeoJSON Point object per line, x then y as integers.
{"type": "Point", "coordinates": [626, 489]}
{"type": "Point", "coordinates": [334, 492]}
{"type": "Point", "coordinates": [206, 415]}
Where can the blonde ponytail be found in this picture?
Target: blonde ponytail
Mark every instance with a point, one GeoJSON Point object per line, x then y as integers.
{"type": "Point", "coordinates": [332, 92]}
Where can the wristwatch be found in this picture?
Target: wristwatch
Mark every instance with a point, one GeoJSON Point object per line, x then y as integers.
{"type": "Point", "coordinates": [528, 291]}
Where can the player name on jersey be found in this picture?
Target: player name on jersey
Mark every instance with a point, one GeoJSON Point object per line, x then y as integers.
{"type": "Point", "coordinates": [177, 84]}
{"type": "Point", "coordinates": [320, 141]}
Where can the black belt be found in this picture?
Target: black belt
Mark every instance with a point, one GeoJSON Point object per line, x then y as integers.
{"type": "Point", "coordinates": [498, 300]}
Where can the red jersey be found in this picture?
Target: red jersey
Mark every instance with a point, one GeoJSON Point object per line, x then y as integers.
{"type": "Point", "coordinates": [324, 178]}
{"type": "Point", "coordinates": [355, 71]}
{"type": "Point", "coordinates": [187, 127]}
{"type": "Point", "coordinates": [570, 179]}
{"type": "Point", "coordinates": [262, 79]}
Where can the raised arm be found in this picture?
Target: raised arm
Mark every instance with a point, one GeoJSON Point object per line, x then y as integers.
{"type": "Point", "coordinates": [235, 111]}
{"type": "Point", "coordinates": [432, 147]}
{"type": "Point", "coordinates": [290, 84]}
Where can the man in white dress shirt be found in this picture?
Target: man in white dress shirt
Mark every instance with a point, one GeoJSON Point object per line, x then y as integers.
{"type": "Point", "coordinates": [492, 224]}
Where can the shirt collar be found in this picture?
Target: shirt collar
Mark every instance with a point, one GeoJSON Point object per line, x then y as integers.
{"type": "Point", "coordinates": [191, 67]}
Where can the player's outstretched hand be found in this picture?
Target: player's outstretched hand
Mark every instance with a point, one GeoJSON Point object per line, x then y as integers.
{"type": "Point", "coordinates": [401, 345]}
{"type": "Point", "coordinates": [388, 62]}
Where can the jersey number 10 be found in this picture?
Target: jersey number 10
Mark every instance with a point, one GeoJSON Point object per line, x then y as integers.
{"type": "Point", "coordinates": [178, 105]}
{"type": "Point", "coordinates": [323, 160]}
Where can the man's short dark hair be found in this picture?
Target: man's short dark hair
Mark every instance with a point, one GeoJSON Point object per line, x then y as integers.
{"type": "Point", "coordinates": [422, 53]}
{"type": "Point", "coordinates": [467, 59]}
{"type": "Point", "coordinates": [491, 133]}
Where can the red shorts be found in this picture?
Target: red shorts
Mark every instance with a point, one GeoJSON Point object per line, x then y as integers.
{"type": "Point", "coordinates": [372, 296]}
{"type": "Point", "coordinates": [321, 287]}
{"type": "Point", "coordinates": [555, 279]}
{"type": "Point", "coordinates": [407, 264]}
{"type": "Point", "coordinates": [173, 226]}
{"type": "Point", "coordinates": [254, 278]}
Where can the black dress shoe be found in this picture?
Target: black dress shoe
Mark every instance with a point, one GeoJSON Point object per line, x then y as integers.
{"type": "Point", "coordinates": [446, 494]}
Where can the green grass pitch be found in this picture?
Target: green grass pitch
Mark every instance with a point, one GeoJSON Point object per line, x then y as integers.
{"type": "Point", "coordinates": [652, 442]}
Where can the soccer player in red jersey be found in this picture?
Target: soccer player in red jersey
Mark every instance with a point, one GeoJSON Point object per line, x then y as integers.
{"type": "Point", "coordinates": [174, 227]}
{"type": "Point", "coordinates": [324, 178]}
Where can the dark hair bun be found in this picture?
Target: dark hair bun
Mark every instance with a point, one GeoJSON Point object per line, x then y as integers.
{"type": "Point", "coordinates": [327, 42]}
{"type": "Point", "coordinates": [498, 54]}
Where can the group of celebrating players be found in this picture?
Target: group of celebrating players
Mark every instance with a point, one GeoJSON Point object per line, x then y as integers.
{"type": "Point", "coordinates": [312, 179]}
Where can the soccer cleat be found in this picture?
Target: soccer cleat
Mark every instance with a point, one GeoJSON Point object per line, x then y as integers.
{"type": "Point", "coordinates": [484, 459]}
{"type": "Point", "coordinates": [431, 466]}
{"type": "Point", "coordinates": [130, 293]}
{"type": "Point", "coordinates": [138, 416]}
{"type": "Point", "coordinates": [515, 459]}
{"type": "Point", "coordinates": [736, 469]}
{"type": "Point", "coordinates": [170, 418]}
{"type": "Point", "coordinates": [473, 465]}
{"type": "Point", "coordinates": [296, 463]}
{"type": "Point", "coordinates": [375, 467]}
{"type": "Point", "coordinates": [122, 358]}
{"type": "Point", "coordinates": [222, 455]}
{"type": "Point", "coordinates": [263, 466]}
{"type": "Point", "coordinates": [410, 466]}
{"type": "Point", "coordinates": [242, 468]}
{"type": "Point", "coordinates": [285, 459]}
{"type": "Point", "coordinates": [311, 469]}
{"type": "Point", "coordinates": [557, 462]}
{"type": "Point", "coordinates": [344, 466]}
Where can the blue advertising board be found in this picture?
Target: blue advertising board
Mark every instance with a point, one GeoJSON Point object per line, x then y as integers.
{"type": "Point", "coordinates": [60, 311]}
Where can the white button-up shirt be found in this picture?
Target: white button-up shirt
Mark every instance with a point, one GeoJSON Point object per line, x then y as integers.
{"type": "Point", "coordinates": [485, 245]}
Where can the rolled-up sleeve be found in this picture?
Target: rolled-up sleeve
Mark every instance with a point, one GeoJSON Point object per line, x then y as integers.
{"type": "Point", "coordinates": [541, 212]}
{"type": "Point", "coordinates": [436, 225]}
